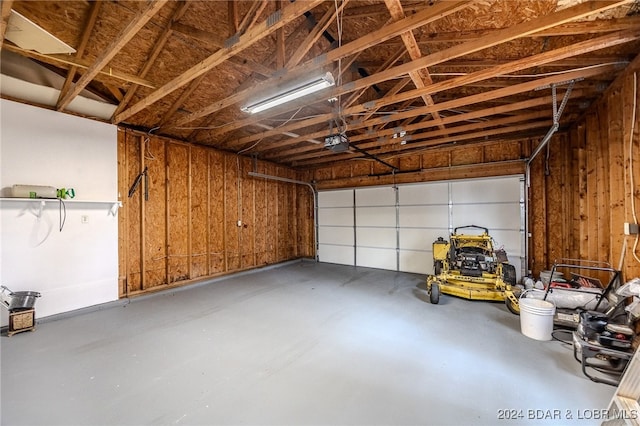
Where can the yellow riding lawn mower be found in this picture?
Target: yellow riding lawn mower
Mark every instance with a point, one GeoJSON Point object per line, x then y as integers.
{"type": "Point", "coordinates": [468, 266]}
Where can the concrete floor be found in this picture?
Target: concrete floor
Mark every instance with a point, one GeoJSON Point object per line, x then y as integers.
{"type": "Point", "coordinates": [304, 343]}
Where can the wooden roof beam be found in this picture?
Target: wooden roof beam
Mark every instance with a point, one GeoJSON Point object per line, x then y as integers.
{"type": "Point", "coordinates": [543, 124]}
{"type": "Point", "coordinates": [63, 61]}
{"type": "Point", "coordinates": [252, 16]}
{"type": "Point", "coordinates": [138, 21]}
{"type": "Point", "coordinates": [287, 15]}
{"type": "Point", "coordinates": [474, 115]}
{"type": "Point", "coordinates": [468, 100]}
{"type": "Point", "coordinates": [158, 47]}
{"type": "Point", "coordinates": [576, 12]}
{"type": "Point", "coordinates": [385, 142]}
{"type": "Point", "coordinates": [315, 34]}
{"type": "Point", "coordinates": [86, 34]}
{"type": "Point", "coordinates": [420, 77]}
{"type": "Point", "coordinates": [215, 41]}
{"type": "Point", "coordinates": [431, 14]}
{"type": "Point", "coordinates": [5, 12]}
{"type": "Point", "coordinates": [578, 48]}
{"type": "Point", "coordinates": [598, 26]}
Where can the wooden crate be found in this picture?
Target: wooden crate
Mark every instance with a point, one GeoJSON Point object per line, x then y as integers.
{"type": "Point", "coordinates": [20, 321]}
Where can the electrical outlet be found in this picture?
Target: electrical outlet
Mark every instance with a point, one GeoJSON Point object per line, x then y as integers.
{"type": "Point", "coordinates": [630, 229]}
{"type": "Point", "coordinates": [84, 219]}
{"type": "Point", "coordinates": [239, 223]}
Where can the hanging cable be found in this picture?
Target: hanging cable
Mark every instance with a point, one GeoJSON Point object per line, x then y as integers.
{"type": "Point", "coordinates": [62, 212]}
{"type": "Point", "coordinates": [631, 177]}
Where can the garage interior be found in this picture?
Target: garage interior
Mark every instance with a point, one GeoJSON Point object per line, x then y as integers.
{"type": "Point", "coordinates": [202, 262]}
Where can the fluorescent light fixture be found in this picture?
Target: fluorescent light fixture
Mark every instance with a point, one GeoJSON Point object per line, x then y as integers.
{"type": "Point", "coordinates": [291, 94]}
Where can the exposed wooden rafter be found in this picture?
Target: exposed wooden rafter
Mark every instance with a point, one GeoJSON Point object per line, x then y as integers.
{"type": "Point", "coordinates": [289, 13]}
{"type": "Point", "coordinates": [63, 61]}
{"type": "Point", "coordinates": [388, 31]}
{"type": "Point", "coordinates": [157, 49]}
{"type": "Point", "coordinates": [5, 11]}
{"type": "Point", "coordinates": [420, 77]}
{"type": "Point", "coordinates": [91, 21]}
{"type": "Point", "coordinates": [139, 20]}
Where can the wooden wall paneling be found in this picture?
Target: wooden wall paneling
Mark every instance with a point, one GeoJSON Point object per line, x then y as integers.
{"type": "Point", "coordinates": [123, 222]}
{"type": "Point", "coordinates": [178, 213]}
{"type": "Point", "coordinates": [304, 221]}
{"type": "Point", "coordinates": [199, 211]}
{"type": "Point", "coordinates": [436, 158]}
{"type": "Point", "coordinates": [631, 266]}
{"type": "Point", "coordinates": [342, 170]}
{"type": "Point", "coordinates": [271, 235]}
{"type": "Point", "coordinates": [248, 229]}
{"type": "Point", "coordinates": [282, 222]}
{"type": "Point", "coordinates": [538, 224]}
{"type": "Point", "coordinates": [593, 208]}
{"type": "Point", "coordinates": [292, 216]}
{"type": "Point", "coordinates": [323, 173]}
{"type": "Point", "coordinates": [603, 172]}
{"type": "Point", "coordinates": [261, 217]}
{"type": "Point", "coordinates": [217, 218]}
{"type": "Point", "coordinates": [154, 213]}
{"type": "Point", "coordinates": [615, 137]}
{"type": "Point", "coordinates": [557, 213]}
{"type": "Point", "coordinates": [410, 162]}
{"type": "Point", "coordinates": [378, 168]}
{"type": "Point", "coordinates": [502, 151]}
{"type": "Point", "coordinates": [466, 156]}
{"type": "Point", "coordinates": [581, 230]}
{"type": "Point", "coordinates": [132, 213]}
{"type": "Point", "coordinates": [360, 168]}
{"type": "Point", "coordinates": [232, 200]}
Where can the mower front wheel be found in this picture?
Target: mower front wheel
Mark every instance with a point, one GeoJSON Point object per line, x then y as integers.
{"type": "Point", "coordinates": [512, 306]}
{"type": "Point", "coordinates": [434, 294]}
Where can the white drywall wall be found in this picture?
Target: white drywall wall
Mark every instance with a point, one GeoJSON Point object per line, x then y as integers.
{"type": "Point", "coordinates": [78, 266]}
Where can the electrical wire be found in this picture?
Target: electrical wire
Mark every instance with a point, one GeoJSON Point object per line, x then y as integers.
{"type": "Point", "coordinates": [631, 177]}
{"type": "Point", "coordinates": [260, 140]}
{"type": "Point", "coordinates": [339, 19]}
{"type": "Point", "coordinates": [62, 211]}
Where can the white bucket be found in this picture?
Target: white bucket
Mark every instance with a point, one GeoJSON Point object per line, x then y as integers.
{"type": "Point", "coordinates": [536, 318]}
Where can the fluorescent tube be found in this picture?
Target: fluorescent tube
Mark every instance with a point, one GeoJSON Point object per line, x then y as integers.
{"type": "Point", "coordinates": [291, 94]}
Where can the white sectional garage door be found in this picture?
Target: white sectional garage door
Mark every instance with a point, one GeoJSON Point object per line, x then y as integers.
{"type": "Point", "coordinates": [394, 228]}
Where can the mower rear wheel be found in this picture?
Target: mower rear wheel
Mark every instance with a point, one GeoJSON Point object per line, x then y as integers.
{"type": "Point", "coordinates": [434, 295]}
{"type": "Point", "coordinates": [437, 267]}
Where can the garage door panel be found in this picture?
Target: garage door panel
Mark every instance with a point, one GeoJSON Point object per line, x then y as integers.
{"type": "Point", "coordinates": [376, 258]}
{"type": "Point", "coordinates": [418, 262]}
{"type": "Point", "coordinates": [376, 237]}
{"type": "Point", "coordinates": [496, 216]}
{"type": "Point", "coordinates": [342, 198]}
{"type": "Point", "coordinates": [367, 223]}
{"type": "Point", "coordinates": [486, 190]}
{"type": "Point", "coordinates": [342, 255]}
{"type": "Point", "coordinates": [376, 197]}
{"type": "Point", "coordinates": [436, 216]}
{"type": "Point", "coordinates": [376, 216]}
{"type": "Point", "coordinates": [336, 235]}
{"type": "Point", "coordinates": [431, 193]}
{"type": "Point", "coordinates": [335, 216]}
{"type": "Point", "coordinates": [421, 239]}
{"type": "Point", "coordinates": [509, 240]}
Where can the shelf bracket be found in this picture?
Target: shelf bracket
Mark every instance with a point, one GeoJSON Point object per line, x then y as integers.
{"type": "Point", "coordinates": [113, 211]}
{"type": "Point", "coordinates": [39, 214]}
